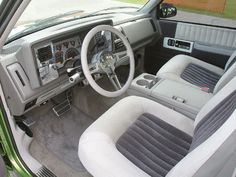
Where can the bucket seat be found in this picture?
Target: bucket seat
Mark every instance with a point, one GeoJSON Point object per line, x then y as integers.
{"type": "Point", "coordinates": [138, 137]}
{"type": "Point", "coordinates": [192, 71]}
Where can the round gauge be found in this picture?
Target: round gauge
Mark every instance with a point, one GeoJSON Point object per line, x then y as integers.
{"type": "Point", "coordinates": [71, 53]}
{"type": "Point", "coordinates": [59, 57]}
{"type": "Point", "coordinates": [72, 63]}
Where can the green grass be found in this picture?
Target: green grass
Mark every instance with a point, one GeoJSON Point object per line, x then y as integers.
{"type": "Point", "coordinates": [229, 12]}
{"type": "Point", "coordinates": [230, 9]}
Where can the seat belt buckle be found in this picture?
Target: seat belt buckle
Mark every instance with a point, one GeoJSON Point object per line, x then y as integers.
{"type": "Point", "coordinates": [205, 89]}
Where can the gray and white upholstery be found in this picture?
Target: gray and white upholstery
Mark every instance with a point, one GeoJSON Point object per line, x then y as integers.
{"type": "Point", "coordinates": [141, 138]}
{"type": "Point", "coordinates": [194, 72]}
{"type": "Point", "coordinates": [212, 36]}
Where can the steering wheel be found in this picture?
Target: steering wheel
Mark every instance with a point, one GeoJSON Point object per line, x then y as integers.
{"type": "Point", "coordinates": [105, 62]}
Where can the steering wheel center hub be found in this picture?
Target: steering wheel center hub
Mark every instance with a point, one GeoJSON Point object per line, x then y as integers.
{"type": "Point", "coordinates": [107, 61]}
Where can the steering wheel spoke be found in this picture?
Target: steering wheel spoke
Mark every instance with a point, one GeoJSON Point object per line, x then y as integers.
{"type": "Point", "coordinates": [95, 69]}
{"type": "Point", "coordinates": [122, 58]}
{"type": "Point", "coordinates": [114, 80]}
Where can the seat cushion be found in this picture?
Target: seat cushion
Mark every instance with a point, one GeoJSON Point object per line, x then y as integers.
{"type": "Point", "coordinates": [153, 145]}
{"type": "Point", "coordinates": [200, 76]}
{"type": "Point", "coordinates": [176, 66]}
{"type": "Point", "coordinates": [97, 146]}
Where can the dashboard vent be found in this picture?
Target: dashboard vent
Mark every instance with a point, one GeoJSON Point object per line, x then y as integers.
{"type": "Point", "coordinates": [45, 53]}
{"type": "Point", "coordinates": [119, 45]}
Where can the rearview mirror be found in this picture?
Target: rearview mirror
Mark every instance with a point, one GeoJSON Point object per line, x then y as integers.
{"type": "Point", "coordinates": [167, 10]}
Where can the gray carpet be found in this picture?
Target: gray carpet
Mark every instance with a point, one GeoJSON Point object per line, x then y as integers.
{"type": "Point", "coordinates": [61, 135]}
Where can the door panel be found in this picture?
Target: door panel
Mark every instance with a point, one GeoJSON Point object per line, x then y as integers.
{"type": "Point", "coordinates": [2, 168]}
{"type": "Point", "coordinates": [213, 45]}
{"type": "Point", "coordinates": [206, 34]}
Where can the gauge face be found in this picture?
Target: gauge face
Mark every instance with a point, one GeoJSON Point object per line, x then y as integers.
{"type": "Point", "coordinates": [67, 49]}
{"type": "Point", "coordinates": [59, 57]}
{"type": "Point", "coordinates": [71, 53]}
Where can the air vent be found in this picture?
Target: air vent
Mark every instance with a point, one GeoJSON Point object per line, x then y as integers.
{"type": "Point", "coordinates": [45, 53]}
{"type": "Point", "coordinates": [118, 44]}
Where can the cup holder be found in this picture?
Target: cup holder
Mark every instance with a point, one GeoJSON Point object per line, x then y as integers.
{"type": "Point", "coordinates": [142, 82]}
{"type": "Point", "coordinates": [147, 81]}
{"type": "Point", "coordinates": [149, 77]}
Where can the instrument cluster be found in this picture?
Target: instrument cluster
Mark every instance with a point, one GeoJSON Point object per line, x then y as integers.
{"type": "Point", "coordinates": [65, 52]}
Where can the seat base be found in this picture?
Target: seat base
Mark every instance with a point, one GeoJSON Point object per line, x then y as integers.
{"type": "Point", "coordinates": [153, 145]}
{"type": "Point", "coordinates": [97, 146]}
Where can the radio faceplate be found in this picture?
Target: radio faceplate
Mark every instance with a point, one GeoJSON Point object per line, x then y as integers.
{"type": "Point", "coordinates": [178, 44]}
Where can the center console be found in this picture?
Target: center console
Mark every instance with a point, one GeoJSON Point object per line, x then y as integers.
{"type": "Point", "coordinates": [180, 97]}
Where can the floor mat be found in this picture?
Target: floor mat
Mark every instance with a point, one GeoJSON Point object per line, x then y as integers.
{"type": "Point", "coordinates": [61, 135]}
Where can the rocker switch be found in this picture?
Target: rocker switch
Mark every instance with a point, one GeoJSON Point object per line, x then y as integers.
{"type": "Point", "coordinates": [171, 42]}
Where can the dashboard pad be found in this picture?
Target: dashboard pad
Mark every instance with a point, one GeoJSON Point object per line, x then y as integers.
{"type": "Point", "coordinates": [36, 67]}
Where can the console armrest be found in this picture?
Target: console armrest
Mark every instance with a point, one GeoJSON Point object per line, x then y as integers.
{"type": "Point", "coordinates": [178, 96]}
{"type": "Point", "coordinates": [182, 93]}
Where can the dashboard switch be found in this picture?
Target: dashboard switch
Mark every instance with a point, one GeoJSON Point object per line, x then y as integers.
{"type": "Point", "coordinates": [171, 42]}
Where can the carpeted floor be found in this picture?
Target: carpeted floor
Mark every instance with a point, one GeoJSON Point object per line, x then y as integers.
{"type": "Point", "coordinates": [55, 142]}
{"type": "Point", "coordinates": [61, 135]}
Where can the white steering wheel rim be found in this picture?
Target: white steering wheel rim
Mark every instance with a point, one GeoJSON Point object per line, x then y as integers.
{"type": "Point", "coordinates": [85, 67]}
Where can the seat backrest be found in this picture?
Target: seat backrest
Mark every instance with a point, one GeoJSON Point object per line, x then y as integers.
{"type": "Point", "coordinates": [214, 139]}
{"type": "Point", "coordinates": [229, 73]}
{"type": "Point", "coordinates": [231, 61]}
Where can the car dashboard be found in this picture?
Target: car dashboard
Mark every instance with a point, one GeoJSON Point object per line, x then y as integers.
{"type": "Point", "coordinates": [35, 67]}
{"type": "Point", "coordinates": [60, 54]}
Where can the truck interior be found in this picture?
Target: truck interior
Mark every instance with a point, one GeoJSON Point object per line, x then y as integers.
{"type": "Point", "coordinates": [126, 91]}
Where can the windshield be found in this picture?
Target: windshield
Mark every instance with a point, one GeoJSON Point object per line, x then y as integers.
{"type": "Point", "coordinates": [44, 13]}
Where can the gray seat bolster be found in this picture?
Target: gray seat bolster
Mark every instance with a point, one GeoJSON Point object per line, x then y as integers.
{"type": "Point", "coordinates": [205, 152]}
{"type": "Point", "coordinates": [226, 77]}
{"type": "Point", "coordinates": [230, 61]}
